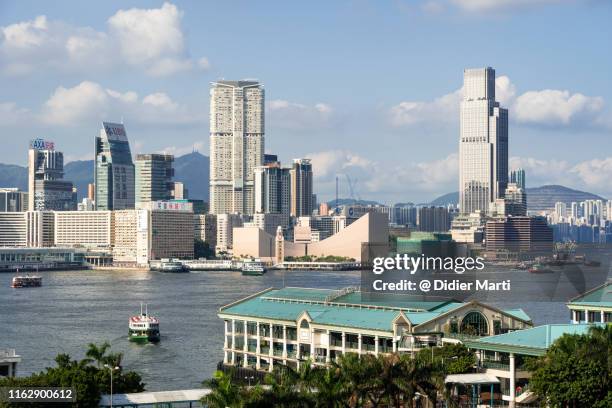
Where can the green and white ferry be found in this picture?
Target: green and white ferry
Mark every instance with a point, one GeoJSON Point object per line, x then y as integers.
{"type": "Point", "coordinates": [143, 328]}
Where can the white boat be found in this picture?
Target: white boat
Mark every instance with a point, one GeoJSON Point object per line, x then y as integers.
{"type": "Point", "coordinates": [143, 328]}
{"type": "Point", "coordinates": [167, 265]}
{"type": "Point", "coordinates": [252, 267]}
{"type": "Point", "coordinates": [26, 281]}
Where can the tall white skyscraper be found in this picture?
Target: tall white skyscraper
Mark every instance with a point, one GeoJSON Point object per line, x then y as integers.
{"type": "Point", "coordinates": [483, 146]}
{"type": "Point", "coordinates": [236, 144]}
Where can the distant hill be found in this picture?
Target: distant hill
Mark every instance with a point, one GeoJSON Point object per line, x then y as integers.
{"type": "Point", "coordinates": [350, 201]}
{"type": "Point", "coordinates": [192, 169]}
{"type": "Point", "coordinates": [538, 198]}
{"type": "Point", "coordinates": [545, 197]}
{"type": "Point", "coordinates": [81, 173]}
{"type": "Point", "coordinates": [12, 175]}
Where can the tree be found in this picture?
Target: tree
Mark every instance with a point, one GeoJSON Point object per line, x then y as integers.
{"type": "Point", "coordinates": [88, 380]}
{"type": "Point", "coordinates": [575, 371]}
{"type": "Point", "coordinates": [454, 358]}
{"type": "Point", "coordinates": [201, 249]}
{"type": "Point", "coordinates": [224, 393]}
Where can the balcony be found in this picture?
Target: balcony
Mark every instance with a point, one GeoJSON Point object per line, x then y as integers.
{"type": "Point", "coordinates": [278, 352]}
{"type": "Point", "coordinates": [291, 354]}
{"type": "Point", "coordinates": [368, 347]}
{"type": "Point", "coordinates": [265, 350]}
{"type": "Point", "coordinates": [352, 345]}
{"type": "Point", "coordinates": [335, 342]}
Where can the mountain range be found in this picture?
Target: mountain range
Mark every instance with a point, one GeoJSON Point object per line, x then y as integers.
{"type": "Point", "coordinates": [538, 198]}
{"type": "Point", "coordinates": [192, 169]}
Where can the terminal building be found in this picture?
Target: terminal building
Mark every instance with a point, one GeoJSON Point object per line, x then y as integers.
{"type": "Point", "coordinates": [290, 325]}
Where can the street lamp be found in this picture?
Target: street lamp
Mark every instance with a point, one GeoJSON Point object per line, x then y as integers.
{"type": "Point", "coordinates": [111, 384]}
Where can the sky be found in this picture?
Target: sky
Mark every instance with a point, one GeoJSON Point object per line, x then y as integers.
{"type": "Point", "coordinates": [366, 89]}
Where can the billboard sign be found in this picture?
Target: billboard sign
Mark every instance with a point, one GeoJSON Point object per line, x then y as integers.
{"type": "Point", "coordinates": [114, 131]}
{"type": "Point", "coordinates": [41, 144]}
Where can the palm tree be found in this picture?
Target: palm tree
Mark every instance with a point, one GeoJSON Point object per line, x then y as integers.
{"type": "Point", "coordinates": [97, 353]}
{"type": "Point", "coordinates": [329, 389]}
{"type": "Point", "coordinates": [419, 377]}
{"type": "Point", "coordinates": [224, 393]}
{"type": "Point", "coordinates": [356, 374]}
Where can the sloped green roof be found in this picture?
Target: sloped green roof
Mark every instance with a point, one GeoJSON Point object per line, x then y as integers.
{"type": "Point", "coordinates": [598, 296]}
{"type": "Point", "coordinates": [534, 341]}
{"type": "Point", "coordinates": [518, 313]}
{"type": "Point", "coordinates": [264, 306]}
{"type": "Point", "coordinates": [347, 310]}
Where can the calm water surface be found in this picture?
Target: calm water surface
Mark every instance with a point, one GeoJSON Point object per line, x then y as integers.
{"type": "Point", "coordinates": [74, 308]}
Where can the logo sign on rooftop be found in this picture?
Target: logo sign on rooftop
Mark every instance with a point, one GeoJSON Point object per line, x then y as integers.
{"type": "Point", "coordinates": [115, 131]}
{"type": "Point", "coordinates": [41, 144]}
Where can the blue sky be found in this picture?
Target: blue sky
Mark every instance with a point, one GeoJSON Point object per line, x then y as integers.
{"type": "Point", "coordinates": [365, 88]}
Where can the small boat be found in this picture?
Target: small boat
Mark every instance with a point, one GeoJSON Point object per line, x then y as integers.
{"type": "Point", "coordinates": [252, 267]}
{"type": "Point", "coordinates": [143, 328]}
{"type": "Point", "coordinates": [539, 268]}
{"type": "Point", "coordinates": [167, 265]}
{"type": "Point", "coordinates": [26, 281]}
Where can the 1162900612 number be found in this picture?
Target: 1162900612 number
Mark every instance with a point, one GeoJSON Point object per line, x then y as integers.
{"type": "Point", "coordinates": [43, 394]}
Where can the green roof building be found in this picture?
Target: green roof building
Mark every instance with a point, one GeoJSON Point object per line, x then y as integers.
{"type": "Point", "coordinates": [593, 306]}
{"type": "Point", "coordinates": [293, 325]}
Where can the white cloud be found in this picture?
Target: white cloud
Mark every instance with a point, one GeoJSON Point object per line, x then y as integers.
{"type": "Point", "coordinates": [595, 173]}
{"type": "Point", "coordinates": [160, 100]}
{"type": "Point", "coordinates": [442, 109]}
{"type": "Point", "coordinates": [148, 39]}
{"type": "Point", "coordinates": [554, 107]}
{"type": "Point", "coordinates": [182, 150]}
{"type": "Point", "coordinates": [296, 116]}
{"type": "Point", "coordinates": [549, 108]}
{"type": "Point", "coordinates": [89, 101]}
{"type": "Point", "coordinates": [483, 6]}
{"type": "Point", "coordinates": [11, 114]}
{"type": "Point", "coordinates": [375, 179]}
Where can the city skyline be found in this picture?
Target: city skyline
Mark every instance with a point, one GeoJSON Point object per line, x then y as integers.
{"type": "Point", "coordinates": [163, 97]}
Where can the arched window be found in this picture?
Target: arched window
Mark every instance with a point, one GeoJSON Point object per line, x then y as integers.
{"type": "Point", "coordinates": [475, 324]}
{"type": "Point", "coordinates": [304, 324]}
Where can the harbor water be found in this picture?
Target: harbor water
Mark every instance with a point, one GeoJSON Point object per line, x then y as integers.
{"type": "Point", "coordinates": [74, 308]}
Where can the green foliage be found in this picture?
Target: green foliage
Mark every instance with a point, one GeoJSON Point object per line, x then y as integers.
{"type": "Point", "coordinates": [88, 377]}
{"type": "Point", "coordinates": [202, 249]}
{"type": "Point", "coordinates": [453, 358]}
{"type": "Point", "coordinates": [351, 381]}
{"type": "Point", "coordinates": [575, 371]}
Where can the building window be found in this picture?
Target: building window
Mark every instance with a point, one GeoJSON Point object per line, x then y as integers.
{"type": "Point", "coordinates": [475, 324]}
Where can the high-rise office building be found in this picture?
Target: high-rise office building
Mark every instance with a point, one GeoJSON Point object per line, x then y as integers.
{"type": "Point", "coordinates": [114, 169]}
{"type": "Point", "coordinates": [483, 146]}
{"type": "Point", "coordinates": [433, 219]}
{"type": "Point", "coordinates": [46, 188]}
{"type": "Point", "coordinates": [154, 174]}
{"type": "Point", "coordinates": [272, 189]}
{"type": "Point", "coordinates": [301, 188]}
{"type": "Point", "coordinates": [518, 177]}
{"type": "Point", "coordinates": [13, 200]}
{"type": "Point", "coordinates": [236, 144]}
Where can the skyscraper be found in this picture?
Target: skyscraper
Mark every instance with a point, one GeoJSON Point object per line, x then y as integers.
{"type": "Point", "coordinates": [46, 188]}
{"type": "Point", "coordinates": [483, 146]}
{"type": "Point", "coordinates": [236, 144]}
{"type": "Point", "coordinates": [518, 177]}
{"type": "Point", "coordinates": [154, 174]}
{"type": "Point", "coordinates": [114, 171]}
{"type": "Point", "coordinates": [272, 191]}
{"type": "Point", "coordinates": [301, 188]}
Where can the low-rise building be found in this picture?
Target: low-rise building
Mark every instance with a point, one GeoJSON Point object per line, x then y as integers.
{"type": "Point", "coordinates": [8, 362]}
{"type": "Point", "coordinates": [90, 229]}
{"type": "Point", "coordinates": [593, 306]}
{"type": "Point", "coordinates": [290, 325]}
